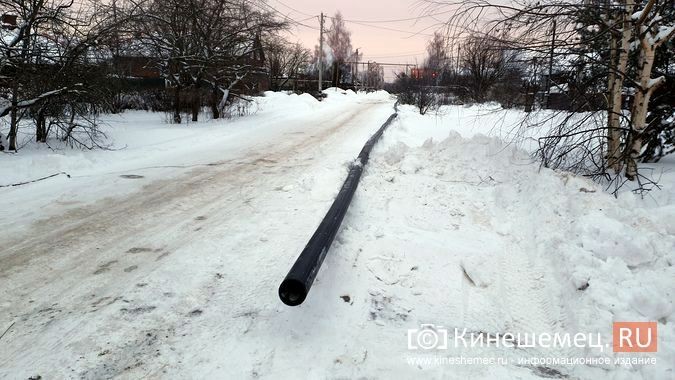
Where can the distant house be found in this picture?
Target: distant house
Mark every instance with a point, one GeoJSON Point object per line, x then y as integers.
{"type": "Point", "coordinates": [563, 94]}
{"type": "Point", "coordinates": [417, 73]}
{"type": "Point", "coordinates": [258, 79]}
{"type": "Point", "coordinates": [137, 67]}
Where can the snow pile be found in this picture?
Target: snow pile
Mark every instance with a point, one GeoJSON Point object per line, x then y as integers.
{"type": "Point", "coordinates": [279, 102]}
{"type": "Point", "coordinates": [606, 237]}
{"type": "Point", "coordinates": [525, 249]}
{"type": "Point", "coordinates": [487, 119]}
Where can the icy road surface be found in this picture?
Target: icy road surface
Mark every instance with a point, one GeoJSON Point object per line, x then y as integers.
{"type": "Point", "coordinates": [175, 274]}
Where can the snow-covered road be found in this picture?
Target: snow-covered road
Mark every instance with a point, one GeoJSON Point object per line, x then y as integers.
{"type": "Point", "coordinates": [175, 274]}
{"type": "Point", "coordinates": [104, 289]}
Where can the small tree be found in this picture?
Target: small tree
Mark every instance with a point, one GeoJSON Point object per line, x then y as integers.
{"type": "Point", "coordinates": [417, 90]}
{"type": "Point", "coordinates": [486, 61]}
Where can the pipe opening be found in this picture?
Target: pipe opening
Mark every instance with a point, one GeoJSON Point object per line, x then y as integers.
{"type": "Point", "coordinates": [292, 292]}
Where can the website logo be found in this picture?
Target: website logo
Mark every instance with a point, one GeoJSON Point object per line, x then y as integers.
{"type": "Point", "coordinates": [634, 336]}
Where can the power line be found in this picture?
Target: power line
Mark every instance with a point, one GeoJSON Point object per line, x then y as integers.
{"type": "Point", "coordinates": [365, 23]}
{"type": "Point", "coordinates": [400, 19]}
{"type": "Point", "coordinates": [383, 64]}
{"type": "Point", "coordinates": [300, 23]}
{"type": "Point", "coordinates": [308, 18]}
{"type": "Point", "coordinates": [372, 21]}
{"type": "Point", "coordinates": [296, 22]}
{"type": "Point", "coordinates": [394, 55]}
{"type": "Point", "coordinates": [401, 52]}
{"type": "Point", "coordinates": [390, 29]}
{"type": "Point", "coordinates": [293, 9]}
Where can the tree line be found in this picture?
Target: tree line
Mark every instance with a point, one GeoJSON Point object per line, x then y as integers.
{"type": "Point", "coordinates": [63, 63]}
{"type": "Point", "coordinates": [611, 62]}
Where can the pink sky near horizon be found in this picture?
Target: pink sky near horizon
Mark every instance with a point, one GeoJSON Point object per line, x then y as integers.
{"type": "Point", "coordinates": [376, 44]}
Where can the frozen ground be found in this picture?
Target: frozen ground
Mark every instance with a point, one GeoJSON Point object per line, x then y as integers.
{"type": "Point", "coordinates": [175, 274]}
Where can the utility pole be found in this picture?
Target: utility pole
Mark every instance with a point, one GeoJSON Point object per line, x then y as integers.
{"type": "Point", "coordinates": [321, 56]}
{"type": "Point", "coordinates": [355, 79]}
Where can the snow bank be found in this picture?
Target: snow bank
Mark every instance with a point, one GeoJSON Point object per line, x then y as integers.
{"type": "Point", "coordinates": [525, 249]}
{"type": "Point", "coordinates": [279, 101]}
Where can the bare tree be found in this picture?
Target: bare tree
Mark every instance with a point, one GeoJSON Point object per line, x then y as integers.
{"type": "Point", "coordinates": [339, 41]}
{"type": "Point", "coordinates": [50, 68]}
{"type": "Point", "coordinates": [486, 60]}
{"type": "Point", "coordinates": [284, 61]}
{"type": "Point", "coordinates": [202, 45]}
{"type": "Point", "coordinates": [373, 76]}
{"type": "Point", "coordinates": [594, 40]}
{"type": "Point", "coordinates": [619, 50]}
{"type": "Point", "coordinates": [417, 90]}
{"type": "Point", "coordinates": [437, 54]}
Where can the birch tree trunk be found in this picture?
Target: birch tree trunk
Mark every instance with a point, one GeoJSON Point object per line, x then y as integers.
{"type": "Point", "coordinates": [646, 87]}
{"type": "Point", "coordinates": [611, 85]}
{"type": "Point", "coordinates": [616, 78]}
{"type": "Point", "coordinates": [651, 35]}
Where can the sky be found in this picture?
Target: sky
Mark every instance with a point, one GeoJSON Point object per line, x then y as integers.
{"type": "Point", "coordinates": [376, 40]}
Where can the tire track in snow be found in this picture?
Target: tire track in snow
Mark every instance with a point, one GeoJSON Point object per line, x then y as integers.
{"type": "Point", "coordinates": [57, 259]}
{"type": "Point", "coordinates": [527, 291]}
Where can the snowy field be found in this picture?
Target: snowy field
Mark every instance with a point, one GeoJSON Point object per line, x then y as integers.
{"type": "Point", "coordinates": [162, 257]}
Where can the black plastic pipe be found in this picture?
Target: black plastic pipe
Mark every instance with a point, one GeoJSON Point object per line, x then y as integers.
{"type": "Point", "coordinates": [293, 290]}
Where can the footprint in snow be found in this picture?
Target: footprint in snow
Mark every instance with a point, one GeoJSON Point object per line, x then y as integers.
{"type": "Point", "coordinates": [138, 310]}
{"type": "Point", "coordinates": [285, 189]}
{"type": "Point", "coordinates": [391, 271]}
{"type": "Point", "coordinates": [386, 308]}
{"type": "Point", "coordinates": [139, 250]}
{"type": "Point", "coordinates": [105, 267]}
